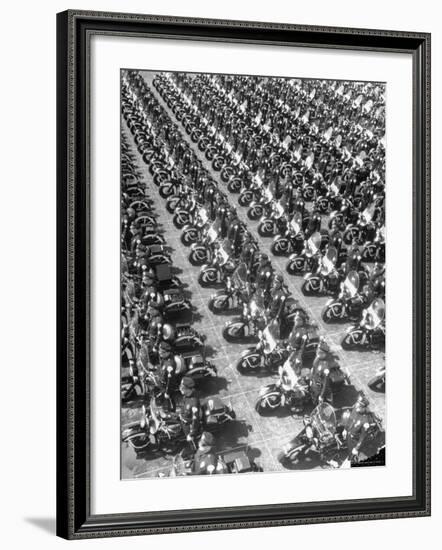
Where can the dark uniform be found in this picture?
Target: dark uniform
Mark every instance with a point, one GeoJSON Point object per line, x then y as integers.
{"type": "Point", "coordinates": [190, 415]}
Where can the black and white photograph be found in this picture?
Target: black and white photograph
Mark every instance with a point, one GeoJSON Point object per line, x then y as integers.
{"type": "Point", "coordinates": [252, 274]}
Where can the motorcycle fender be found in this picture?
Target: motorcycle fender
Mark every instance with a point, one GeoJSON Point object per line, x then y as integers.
{"type": "Point", "coordinates": [199, 372]}
{"type": "Point", "coordinates": [292, 256]}
{"type": "Point", "coordinates": [270, 388]}
{"type": "Point", "coordinates": [329, 302]}
{"type": "Point", "coordinates": [247, 352]}
{"type": "Point", "coordinates": [307, 275]}
{"type": "Point", "coordinates": [351, 329]}
{"type": "Point", "coordinates": [233, 321]}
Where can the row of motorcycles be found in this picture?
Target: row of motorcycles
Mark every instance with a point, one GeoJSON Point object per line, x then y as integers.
{"type": "Point", "coordinates": [159, 349]}
{"type": "Point", "coordinates": [228, 254]}
{"type": "Point", "coordinates": [335, 260]}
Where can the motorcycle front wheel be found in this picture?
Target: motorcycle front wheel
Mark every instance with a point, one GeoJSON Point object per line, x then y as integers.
{"type": "Point", "coordinates": [218, 304]}
{"type": "Point", "coordinates": [181, 219]}
{"type": "Point", "coordinates": [268, 403]}
{"type": "Point", "coordinates": [234, 331]}
{"type": "Point", "coordinates": [255, 212]}
{"type": "Point", "coordinates": [245, 198]}
{"type": "Point", "coordinates": [198, 256]}
{"type": "Point", "coordinates": [296, 266]}
{"type": "Point", "coordinates": [333, 312]}
{"type": "Point", "coordinates": [352, 340]}
{"type": "Point", "coordinates": [266, 228]}
{"type": "Point", "coordinates": [189, 236]}
{"type": "Point", "coordinates": [281, 247]}
{"type": "Point", "coordinates": [208, 277]}
{"type": "Point", "coordinates": [249, 363]}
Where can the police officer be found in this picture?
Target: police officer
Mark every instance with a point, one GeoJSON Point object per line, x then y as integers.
{"type": "Point", "coordinates": [356, 426]}
{"type": "Point", "coordinates": [299, 334]}
{"type": "Point", "coordinates": [205, 461]}
{"type": "Point", "coordinates": [320, 384]}
{"type": "Point", "coordinates": [190, 415]}
{"type": "Point", "coordinates": [277, 298]}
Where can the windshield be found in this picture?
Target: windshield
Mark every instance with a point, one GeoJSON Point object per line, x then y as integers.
{"type": "Point", "coordinates": [324, 420]}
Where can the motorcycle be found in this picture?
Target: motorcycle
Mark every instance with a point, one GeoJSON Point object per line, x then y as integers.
{"type": "Point", "coordinates": [268, 354]}
{"type": "Point", "coordinates": [275, 222]}
{"type": "Point", "coordinates": [292, 240]}
{"type": "Point", "coordinates": [308, 259]}
{"type": "Point", "coordinates": [259, 207]}
{"type": "Point", "coordinates": [377, 382]}
{"type": "Point", "coordinates": [191, 233]}
{"type": "Point", "coordinates": [201, 252]}
{"type": "Point", "coordinates": [326, 278]}
{"type": "Point", "coordinates": [221, 267]}
{"type": "Point", "coordinates": [318, 442]}
{"type": "Point", "coordinates": [374, 250]}
{"type": "Point", "coordinates": [247, 325]}
{"type": "Point", "coordinates": [235, 293]}
{"type": "Point", "coordinates": [291, 390]}
{"type": "Point", "coordinates": [348, 304]}
{"type": "Point", "coordinates": [370, 332]}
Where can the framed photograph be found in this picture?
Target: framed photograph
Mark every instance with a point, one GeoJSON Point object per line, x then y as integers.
{"type": "Point", "coordinates": [243, 261]}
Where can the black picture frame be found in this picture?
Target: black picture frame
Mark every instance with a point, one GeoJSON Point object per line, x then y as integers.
{"type": "Point", "coordinates": [74, 518]}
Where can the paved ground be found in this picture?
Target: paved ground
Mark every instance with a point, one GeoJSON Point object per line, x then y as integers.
{"type": "Point", "coordinates": [262, 437]}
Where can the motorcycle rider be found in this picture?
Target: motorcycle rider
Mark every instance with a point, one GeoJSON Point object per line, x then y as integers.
{"type": "Point", "coordinates": [356, 424]}
{"type": "Point", "coordinates": [278, 296]}
{"type": "Point", "coordinates": [205, 461]}
{"type": "Point", "coordinates": [353, 257]}
{"type": "Point", "coordinates": [320, 385]}
{"type": "Point", "coordinates": [190, 414]}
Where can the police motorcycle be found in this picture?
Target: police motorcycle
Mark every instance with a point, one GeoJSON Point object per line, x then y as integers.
{"type": "Point", "coordinates": [194, 231]}
{"type": "Point", "coordinates": [181, 336]}
{"type": "Point", "coordinates": [348, 304]}
{"type": "Point", "coordinates": [171, 301]}
{"type": "Point", "coordinates": [132, 385]}
{"type": "Point", "coordinates": [377, 381]}
{"type": "Point", "coordinates": [291, 241]}
{"type": "Point", "coordinates": [258, 207]}
{"type": "Point", "coordinates": [326, 278]}
{"type": "Point", "coordinates": [330, 199]}
{"type": "Point", "coordinates": [291, 390]}
{"type": "Point", "coordinates": [185, 211]}
{"type": "Point", "coordinates": [249, 323]}
{"type": "Point", "coordinates": [181, 199]}
{"type": "Point", "coordinates": [254, 317]}
{"type": "Point", "coordinates": [374, 249]}
{"type": "Point", "coordinates": [345, 216]}
{"type": "Point", "coordinates": [308, 259]}
{"type": "Point", "coordinates": [364, 229]}
{"type": "Point", "coordinates": [251, 193]}
{"type": "Point", "coordinates": [370, 332]}
{"type": "Point", "coordinates": [167, 377]}
{"type": "Point", "coordinates": [150, 255]}
{"type": "Point", "coordinates": [236, 292]}
{"type": "Point", "coordinates": [201, 252]}
{"type": "Point", "coordinates": [152, 429]}
{"type": "Point", "coordinates": [155, 428]}
{"type": "Point", "coordinates": [275, 222]}
{"type": "Point", "coordinates": [319, 442]}
{"type": "Point", "coordinates": [268, 354]}
{"type": "Point", "coordinates": [223, 264]}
